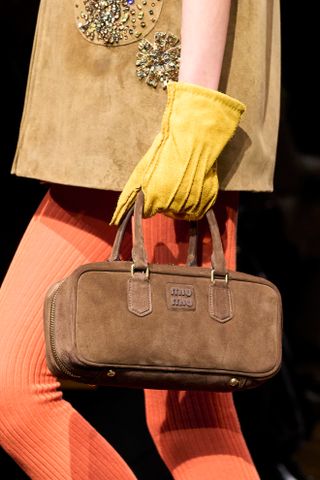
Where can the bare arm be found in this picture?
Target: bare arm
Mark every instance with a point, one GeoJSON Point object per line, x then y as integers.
{"type": "Point", "coordinates": [203, 38]}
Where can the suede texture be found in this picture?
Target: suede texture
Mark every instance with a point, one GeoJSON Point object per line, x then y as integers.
{"type": "Point", "coordinates": [110, 319]}
{"type": "Point", "coordinates": [88, 119]}
{"type": "Point", "coordinates": [184, 155]}
{"type": "Point", "coordinates": [93, 330]}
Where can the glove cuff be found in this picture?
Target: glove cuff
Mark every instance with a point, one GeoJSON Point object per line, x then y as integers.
{"type": "Point", "coordinates": [176, 88]}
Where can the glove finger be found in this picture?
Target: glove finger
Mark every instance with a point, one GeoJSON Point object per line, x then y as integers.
{"type": "Point", "coordinates": [153, 157]}
{"type": "Point", "coordinates": [202, 192]}
{"type": "Point", "coordinates": [191, 185]}
{"type": "Point", "coordinates": [187, 181]}
{"type": "Point", "coordinates": [207, 199]}
{"type": "Point", "coordinates": [165, 178]}
{"type": "Point", "coordinates": [208, 196]}
{"type": "Point", "coordinates": [189, 192]}
{"type": "Point", "coordinates": [129, 193]}
{"type": "Point", "coordinates": [125, 202]}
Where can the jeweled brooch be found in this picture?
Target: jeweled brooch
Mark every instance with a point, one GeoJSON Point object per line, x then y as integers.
{"type": "Point", "coordinates": [159, 62]}
{"type": "Point", "coordinates": [116, 22]}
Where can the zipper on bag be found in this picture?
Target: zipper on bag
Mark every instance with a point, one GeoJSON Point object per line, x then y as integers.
{"type": "Point", "coordinates": [59, 362]}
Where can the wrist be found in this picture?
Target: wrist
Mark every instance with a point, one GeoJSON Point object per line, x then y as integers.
{"type": "Point", "coordinates": [198, 77]}
{"type": "Point", "coordinates": [203, 38]}
{"type": "Point", "coordinates": [203, 99]}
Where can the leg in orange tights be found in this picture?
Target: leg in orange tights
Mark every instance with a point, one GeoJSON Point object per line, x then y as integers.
{"type": "Point", "coordinates": [41, 431]}
{"type": "Point", "coordinates": [197, 433]}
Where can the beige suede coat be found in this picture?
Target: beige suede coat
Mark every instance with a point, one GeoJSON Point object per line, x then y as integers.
{"type": "Point", "coordinates": [88, 119]}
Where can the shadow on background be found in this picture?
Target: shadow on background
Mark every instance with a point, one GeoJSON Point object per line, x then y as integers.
{"type": "Point", "coordinates": [279, 237]}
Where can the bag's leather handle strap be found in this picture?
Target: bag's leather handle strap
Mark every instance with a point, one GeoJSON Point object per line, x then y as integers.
{"type": "Point", "coordinates": [193, 243]}
{"type": "Point", "coordinates": [192, 249]}
{"type": "Point", "coordinates": [139, 256]}
{"type": "Point", "coordinates": [115, 253]}
{"type": "Point", "coordinates": [138, 252]}
{"type": "Point", "coordinates": [217, 257]}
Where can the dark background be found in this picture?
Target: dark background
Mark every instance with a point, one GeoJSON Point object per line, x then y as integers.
{"type": "Point", "coordinates": [279, 237]}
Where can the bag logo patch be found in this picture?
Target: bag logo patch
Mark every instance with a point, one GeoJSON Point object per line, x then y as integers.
{"type": "Point", "coordinates": [180, 296]}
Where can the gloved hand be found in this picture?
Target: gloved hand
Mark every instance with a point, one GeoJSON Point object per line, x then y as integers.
{"type": "Point", "coordinates": [178, 173]}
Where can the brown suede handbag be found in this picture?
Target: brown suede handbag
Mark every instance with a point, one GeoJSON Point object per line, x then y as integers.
{"type": "Point", "coordinates": [134, 324]}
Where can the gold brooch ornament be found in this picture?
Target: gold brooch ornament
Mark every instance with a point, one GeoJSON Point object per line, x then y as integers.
{"type": "Point", "coordinates": [159, 62]}
{"type": "Point", "coordinates": [116, 22]}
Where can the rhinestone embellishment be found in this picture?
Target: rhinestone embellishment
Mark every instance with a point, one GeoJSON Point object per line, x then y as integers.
{"type": "Point", "coordinates": [159, 62]}
{"type": "Point", "coordinates": [116, 22]}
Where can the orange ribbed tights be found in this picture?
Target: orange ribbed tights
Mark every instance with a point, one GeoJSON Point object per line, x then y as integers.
{"type": "Point", "coordinates": [197, 434]}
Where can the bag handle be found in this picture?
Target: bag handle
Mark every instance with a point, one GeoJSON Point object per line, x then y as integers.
{"type": "Point", "coordinates": [192, 249]}
{"type": "Point", "coordinates": [139, 256]}
{"type": "Point", "coordinates": [115, 253]}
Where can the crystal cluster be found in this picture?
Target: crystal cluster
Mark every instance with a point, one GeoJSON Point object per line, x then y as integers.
{"type": "Point", "coordinates": [160, 61]}
{"type": "Point", "coordinates": [116, 22]}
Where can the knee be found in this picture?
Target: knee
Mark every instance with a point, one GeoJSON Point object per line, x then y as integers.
{"type": "Point", "coordinates": [13, 388]}
{"type": "Point", "coordinates": [13, 400]}
{"type": "Point", "coordinates": [23, 392]}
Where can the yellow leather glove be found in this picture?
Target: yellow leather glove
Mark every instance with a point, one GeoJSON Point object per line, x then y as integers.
{"type": "Point", "coordinates": [178, 173]}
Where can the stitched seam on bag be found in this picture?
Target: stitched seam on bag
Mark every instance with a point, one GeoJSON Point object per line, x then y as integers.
{"type": "Point", "coordinates": [228, 304]}
{"type": "Point", "coordinates": [173, 368]}
{"type": "Point", "coordinates": [131, 307]}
